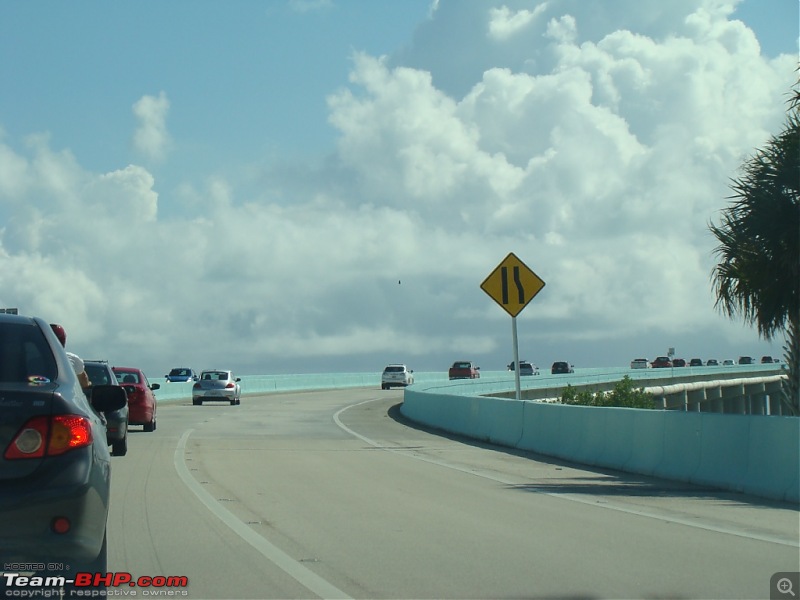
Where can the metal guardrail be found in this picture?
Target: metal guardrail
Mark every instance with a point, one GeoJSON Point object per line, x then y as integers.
{"type": "Point", "coordinates": [747, 391]}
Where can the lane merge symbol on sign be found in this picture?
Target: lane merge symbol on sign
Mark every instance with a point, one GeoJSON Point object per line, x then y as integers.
{"type": "Point", "coordinates": [512, 284]}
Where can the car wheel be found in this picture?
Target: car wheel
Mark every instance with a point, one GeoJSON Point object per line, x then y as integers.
{"type": "Point", "coordinates": [120, 447]}
{"type": "Point", "coordinates": [151, 426]}
{"type": "Point", "coordinates": [233, 401]}
{"type": "Point", "coordinates": [197, 401]}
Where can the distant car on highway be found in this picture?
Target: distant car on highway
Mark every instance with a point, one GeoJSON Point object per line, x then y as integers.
{"type": "Point", "coordinates": [464, 369]}
{"type": "Point", "coordinates": [100, 373]}
{"type": "Point", "coordinates": [746, 360]}
{"type": "Point", "coordinates": [396, 375]}
{"type": "Point", "coordinates": [662, 362]}
{"type": "Point", "coordinates": [712, 362]}
{"type": "Point", "coordinates": [55, 464]}
{"type": "Point", "coordinates": [640, 363]}
{"type": "Point", "coordinates": [728, 362]}
{"type": "Point", "coordinates": [696, 362]}
{"type": "Point", "coordinates": [216, 386]}
{"type": "Point", "coordinates": [561, 367]}
{"type": "Point", "coordinates": [527, 369]}
{"type": "Point", "coordinates": [765, 360]}
{"type": "Point", "coordinates": [678, 362]}
{"type": "Point", "coordinates": [181, 375]}
{"type": "Point", "coordinates": [142, 405]}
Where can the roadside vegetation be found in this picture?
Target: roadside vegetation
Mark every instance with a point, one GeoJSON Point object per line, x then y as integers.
{"type": "Point", "coordinates": [757, 278]}
{"type": "Point", "coordinates": [624, 395]}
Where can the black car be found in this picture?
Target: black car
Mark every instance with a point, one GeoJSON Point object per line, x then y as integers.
{"type": "Point", "coordinates": [55, 466]}
{"type": "Point", "coordinates": [561, 367]}
{"type": "Point", "coordinates": [100, 373]}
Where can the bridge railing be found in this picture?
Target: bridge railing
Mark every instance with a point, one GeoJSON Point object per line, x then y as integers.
{"type": "Point", "coordinates": [745, 390]}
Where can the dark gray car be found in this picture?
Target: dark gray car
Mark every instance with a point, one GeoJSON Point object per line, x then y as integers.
{"type": "Point", "coordinates": [100, 373]}
{"type": "Point", "coordinates": [55, 472]}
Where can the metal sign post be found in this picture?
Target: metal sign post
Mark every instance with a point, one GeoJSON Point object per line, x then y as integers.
{"type": "Point", "coordinates": [516, 357]}
{"type": "Point", "coordinates": [512, 285]}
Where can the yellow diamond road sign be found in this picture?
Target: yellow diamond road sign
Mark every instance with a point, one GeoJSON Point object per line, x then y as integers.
{"type": "Point", "coordinates": [512, 284]}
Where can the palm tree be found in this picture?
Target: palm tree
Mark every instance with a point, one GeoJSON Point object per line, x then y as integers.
{"type": "Point", "coordinates": [758, 275]}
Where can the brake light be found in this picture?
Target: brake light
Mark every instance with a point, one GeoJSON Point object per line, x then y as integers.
{"type": "Point", "coordinates": [62, 432]}
{"type": "Point", "coordinates": [196, 386]}
{"type": "Point", "coordinates": [230, 385]}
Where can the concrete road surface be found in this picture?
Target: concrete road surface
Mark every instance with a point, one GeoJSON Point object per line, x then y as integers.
{"type": "Point", "coordinates": [331, 494]}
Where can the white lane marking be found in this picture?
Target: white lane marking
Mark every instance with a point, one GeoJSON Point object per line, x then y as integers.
{"type": "Point", "coordinates": [305, 577]}
{"type": "Point", "coordinates": [571, 497]}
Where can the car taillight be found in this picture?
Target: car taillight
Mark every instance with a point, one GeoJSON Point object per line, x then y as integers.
{"type": "Point", "coordinates": [62, 432]}
{"type": "Point", "coordinates": [196, 386]}
{"type": "Point", "coordinates": [230, 385]}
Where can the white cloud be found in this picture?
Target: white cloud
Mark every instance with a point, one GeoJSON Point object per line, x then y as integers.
{"type": "Point", "coordinates": [600, 167]}
{"type": "Point", "coordinates": [505, 23]}
{"type": "Point", "coordinates": [151, 137]}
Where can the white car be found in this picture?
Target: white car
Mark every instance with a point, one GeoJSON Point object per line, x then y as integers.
{"type": "Point", "coordinates": [217, 386]}
{"type": "Point", "coordinates": [526, 368]}
{"type": "Point", "coordinates": [396, 375]}
{"type": "Point", "coordinates": [640, 363]}
{"type": "Point", "coordinates": [728, 362]}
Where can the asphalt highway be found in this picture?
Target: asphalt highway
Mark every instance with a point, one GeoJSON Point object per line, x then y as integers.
{"type": "Point", "coordinates": [332, 494]}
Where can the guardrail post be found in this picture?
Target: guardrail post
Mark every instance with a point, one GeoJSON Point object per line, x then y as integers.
{"type": "Point", "coordinates": [675, 400]}
{"type": "Point", "coordinates": [756, 397]}
{"type": "Point", "coordinates": [774, 390]}
{"type": "Point", "coordinates": [714, 400]}
{"type": "Point", "coordinates": [733, 401]}
{"type": "Point", "coordinates": [695, 399]}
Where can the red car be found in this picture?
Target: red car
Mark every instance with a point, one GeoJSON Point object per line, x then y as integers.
{"type": "Point", "coordinates": [464, 369]}
{"type": "Point", "coordinates": [141, 399]}
{"type": "Point", "coordinates": [662, 362]}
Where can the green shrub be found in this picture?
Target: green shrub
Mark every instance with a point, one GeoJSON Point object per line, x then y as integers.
{"type": "Point", "coordinates": [624, 395]}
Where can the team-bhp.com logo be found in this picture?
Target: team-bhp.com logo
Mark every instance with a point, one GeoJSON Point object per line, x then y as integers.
{"type": "Point", "coordinates": [83, 584]}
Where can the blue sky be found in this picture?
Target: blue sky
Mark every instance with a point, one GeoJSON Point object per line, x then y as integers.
{"type": "Point", "coordinates": [246, 183]}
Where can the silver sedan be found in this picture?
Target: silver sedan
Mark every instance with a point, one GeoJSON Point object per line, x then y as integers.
{"type": "Point", "coordinates": [217, 386]}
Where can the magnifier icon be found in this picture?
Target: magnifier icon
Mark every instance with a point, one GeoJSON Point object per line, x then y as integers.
{"type": "Point", "coordinates": [784, 586]}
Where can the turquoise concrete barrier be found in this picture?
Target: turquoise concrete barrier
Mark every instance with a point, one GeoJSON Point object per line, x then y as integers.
{"type": "Point", "coordinates": [754, 454]}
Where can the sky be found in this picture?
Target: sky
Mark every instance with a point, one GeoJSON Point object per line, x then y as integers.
{"type": "Point", "coordinates": [300, 186]}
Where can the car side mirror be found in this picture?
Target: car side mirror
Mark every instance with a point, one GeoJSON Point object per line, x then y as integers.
{"type": "Point", "coordinates": [238, 379]}
{"type": "Point", "coordinates": [106, 398]}
{"type": "Point", "coordinates": [155, 386]}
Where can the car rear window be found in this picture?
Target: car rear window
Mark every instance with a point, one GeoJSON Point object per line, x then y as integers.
{"type": "Point", "coordinates": [25, 354]}
{"type": "Point", "coordinates": [394, 369]}
{"type": "Point", "coordinates": [98, 374]}
{"type": "Point", "coordinates": [215, 375]}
